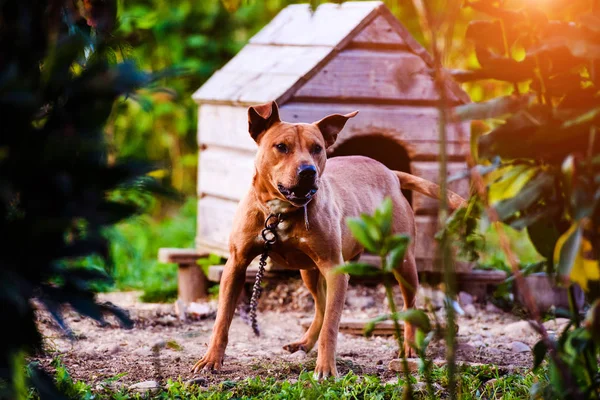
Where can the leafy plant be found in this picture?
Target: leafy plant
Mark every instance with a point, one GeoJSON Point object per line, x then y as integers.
{"type": "Point", "coordinates": [547, 182]}
{"type": "Point", "coordinates": [57, 89]}
{"type": "Point", "coordinates": [374, 233]}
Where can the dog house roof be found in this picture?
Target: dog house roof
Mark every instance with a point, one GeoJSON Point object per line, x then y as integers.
{"type": "Point", "coordinates": [296, 45]}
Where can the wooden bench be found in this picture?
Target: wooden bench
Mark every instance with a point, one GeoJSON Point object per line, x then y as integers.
{"type": "Point", "coordinates": [192, 283]}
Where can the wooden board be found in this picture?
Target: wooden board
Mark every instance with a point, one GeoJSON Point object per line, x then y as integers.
{"type": "Point", "coordinates": [327, 26]}
{"type": "Point", "coordinates": [260, 73]}
{"type": "Point", "coordinates": [426, 230]}
{"type": "Point", "coordinates": [224, 126]}
{"type": "Point", "coordinates": [215, 220]}
{"type": "Point", "coordinates": [240, 87]}
{"type": "Point", "coordinates": [373, 75]}
{"type": "Point", "coordinates": [416, 128]}
{"type": "Point", "coordinates": [355, 326]}
{"type": "Point", "coordinates": [430, 171]}
{"type": "Point", "coordinates": [286, 60]}
{"type": "Point", "coordinates": [180, 256]}
{"type": "Point", "coordinates": [378, 32]}
{"type": "Point", "coordinates": [224, 173]}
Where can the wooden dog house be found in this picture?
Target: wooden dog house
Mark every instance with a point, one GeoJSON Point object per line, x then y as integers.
{"type": "Point", "coordinates": [339, 58]}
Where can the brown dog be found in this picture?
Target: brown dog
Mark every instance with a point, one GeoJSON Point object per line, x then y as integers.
{"type": "Point", "coordinates": [290, 172]}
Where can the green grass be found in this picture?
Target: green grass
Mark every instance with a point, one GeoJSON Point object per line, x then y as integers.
{"type": "Point", "coordinates": [134, 246]}
{"type": "Point", "coordinates": [474, 383]}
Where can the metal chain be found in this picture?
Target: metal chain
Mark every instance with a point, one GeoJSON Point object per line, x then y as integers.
{"type": "Point", "coordinates": [269, 235]}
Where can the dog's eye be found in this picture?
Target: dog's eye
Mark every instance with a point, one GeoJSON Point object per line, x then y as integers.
{"type": "Point", "coordinates": [317, 149]}
{"type": "Point", "coordinates": [282, 148]}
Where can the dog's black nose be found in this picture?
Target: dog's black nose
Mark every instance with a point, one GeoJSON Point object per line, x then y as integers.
{"type": "Point", "coordinates": [307, 172]}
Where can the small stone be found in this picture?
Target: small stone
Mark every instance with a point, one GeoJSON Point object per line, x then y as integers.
{"type": "Point", "coordinates": [491, 382]}
{"type": "Point", "coordinates": [198, 381]}
{"type": "Point", "coordinates": [398, 365]}
{"type": "Point", "coordinates": [143, 352]}
{"type": "Point", "coordinates": [465, 298]}
{"type": "Point", "coordinates": [492, 309]}
{"type": "Point", "coordinates": [519, 347]}
{"type": "Point", "coordinates": [466, 347]}
{"type": "Point", "coordinates": [557, 324]}
{"type": "Point", "coordinates": [199, 310]}
{"type": "Point", "coordinates": [167, 320]}
{"type": "Point", "coordinates": [477, 344]}
{"type": "Point", "coordinates": [297, 356]}
{"type": "Point", "coordinates": [493, 350]}
{"type": "Point", "coordinates": [146, 386]}
{"type": "Point", "coordinates": [519, 329]}
{"type": "Point", "coordinates": [470, 310]}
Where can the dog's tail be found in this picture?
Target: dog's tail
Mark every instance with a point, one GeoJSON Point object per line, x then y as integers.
{"type": "Point", "coordinates": [428, 188]}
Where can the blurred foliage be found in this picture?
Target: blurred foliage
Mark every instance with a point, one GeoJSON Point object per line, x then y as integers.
{"type": "Point", "coordinates": [193, 38]}
{"type": "Point", "coordinates": [58, 191]}
{"type": "Point", "coordinates": [547, 180]}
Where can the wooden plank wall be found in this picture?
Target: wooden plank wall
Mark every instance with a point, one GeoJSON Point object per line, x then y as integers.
{"type": "Point", "coordinates": [414, 127]}
{"type": "Point", "coordinates": [373, 75]}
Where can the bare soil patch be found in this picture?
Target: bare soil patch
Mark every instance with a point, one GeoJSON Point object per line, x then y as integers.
{"type": "Point", "coordinates": [485, 336]}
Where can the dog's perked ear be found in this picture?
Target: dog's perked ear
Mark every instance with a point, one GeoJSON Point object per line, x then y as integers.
{"type": "Point", "coordinates": [261, 118]}
{"type": "Point", "coordinates": [331, 125]}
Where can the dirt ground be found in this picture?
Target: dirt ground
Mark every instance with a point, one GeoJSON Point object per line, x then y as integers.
{"type": "Point", "coordinates": [486, 335]}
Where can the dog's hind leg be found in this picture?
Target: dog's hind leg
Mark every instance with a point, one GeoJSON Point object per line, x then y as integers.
{"type": "Point", "coordinates": [407, 277]}
{"type": "Point", "coordinates": [315, 283]}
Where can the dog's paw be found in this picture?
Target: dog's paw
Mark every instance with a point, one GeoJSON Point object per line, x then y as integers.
{"type": "Point", "coordinates": [325, 370]}
{"type": "Point", "coordinates": [209, 362]}
{"type": "Point", "coordinates": [297, 346]}
{"type": "Point", "coordinates": [409, 351]}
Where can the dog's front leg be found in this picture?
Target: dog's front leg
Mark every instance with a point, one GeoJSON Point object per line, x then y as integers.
{"type": "Point", "coordinates": [231, 285]}
{"type": "Point", "coordinates": [337, 284]}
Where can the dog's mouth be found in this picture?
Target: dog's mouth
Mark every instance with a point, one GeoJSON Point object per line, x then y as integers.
{"type": "Point", "coordinates": [299, 195]}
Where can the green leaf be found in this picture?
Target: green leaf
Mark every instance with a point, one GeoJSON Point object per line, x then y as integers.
{"type": "Point", "coordinates": [419, 338]}
{"type": "Point", "coordinates": [385, 223]}
{"type": "Point", "coordinates": [373, 228]}
{"type": "Point", "coordinates": [370, 326]}
{"type": "Point", "coordinates": [359, 269]}
{"type": "Point", "coordinates": [397, 246]}
{"type": "Point", "coordinates": [539, 353]}
{"type": "Point", "coordinates": [532, 192]}
{"type": "Point", "coordinates": [567, 248]}
{"type": "Point", "coordinates": [416, 318]}
{"type": "Point", "coordinates": [360, 231]}
{"type": "Point", "coordinates": [512, 180]}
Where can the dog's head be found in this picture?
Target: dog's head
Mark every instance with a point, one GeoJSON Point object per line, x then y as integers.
{"type": "Point", "coordinates": [291, 157]}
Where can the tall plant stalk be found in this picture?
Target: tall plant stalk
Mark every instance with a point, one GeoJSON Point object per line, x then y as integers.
{"type": "Point", "coordinates": [446, 261]}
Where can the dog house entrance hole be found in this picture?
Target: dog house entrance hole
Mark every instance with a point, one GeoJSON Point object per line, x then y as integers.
{"type": "Point", "coordinates": [387, 151]}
